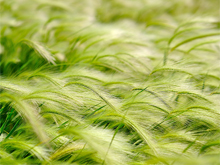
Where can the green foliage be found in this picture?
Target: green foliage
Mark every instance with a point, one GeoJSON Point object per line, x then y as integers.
{"type": "Point", "coordinates": [109, 82]}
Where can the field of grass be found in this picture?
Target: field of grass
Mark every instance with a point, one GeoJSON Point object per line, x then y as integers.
{"type": "Point", "coordinates": [110, 82]}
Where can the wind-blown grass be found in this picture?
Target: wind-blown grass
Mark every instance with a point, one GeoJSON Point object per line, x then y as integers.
{"type": "Point", "coordinates": [109, 82]}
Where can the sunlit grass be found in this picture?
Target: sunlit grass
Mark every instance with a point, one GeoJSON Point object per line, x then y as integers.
{"type": "Point", "coordinates": [109, 82]}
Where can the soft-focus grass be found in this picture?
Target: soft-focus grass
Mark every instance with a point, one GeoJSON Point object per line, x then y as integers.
{"type": "Point", "coordinates": [110, 82]}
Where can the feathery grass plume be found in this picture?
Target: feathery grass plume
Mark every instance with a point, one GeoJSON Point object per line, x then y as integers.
{"type": "Point", "coordinates": [40, 50]}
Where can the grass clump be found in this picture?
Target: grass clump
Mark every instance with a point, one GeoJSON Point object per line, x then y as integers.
{"type": "Point", "coordinates": [109, 82]}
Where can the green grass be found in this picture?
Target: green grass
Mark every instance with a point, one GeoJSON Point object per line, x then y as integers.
{"type": "Point", "coordinates": [110, 82]}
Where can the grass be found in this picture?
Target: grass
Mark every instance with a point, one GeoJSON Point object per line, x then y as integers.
{"type": "Point", "coordinates": [109, 82]}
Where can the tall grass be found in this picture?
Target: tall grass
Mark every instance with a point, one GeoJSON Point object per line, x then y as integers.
{"type": "Point", "coordinates": [109, 82]}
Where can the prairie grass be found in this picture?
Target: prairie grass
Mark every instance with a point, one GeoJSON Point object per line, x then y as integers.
{"type": "Point", "coordinates": [110, 82]}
